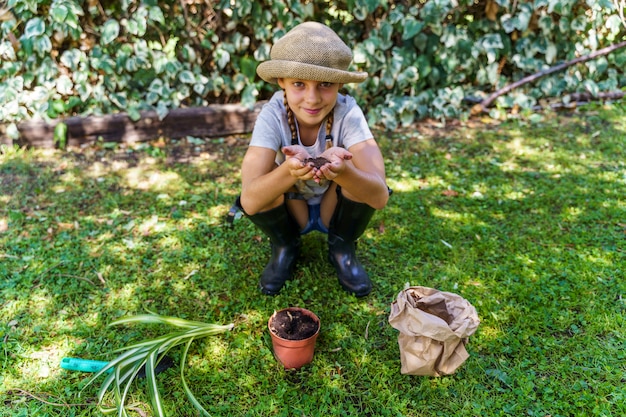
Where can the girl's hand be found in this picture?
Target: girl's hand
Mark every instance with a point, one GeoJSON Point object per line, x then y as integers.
{"type": "Point", "coordinates": [336, 165]}
{"type": "Point", "coordinates": [296, 155]}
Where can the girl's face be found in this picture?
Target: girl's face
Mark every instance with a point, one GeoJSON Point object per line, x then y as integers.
{"type": "Point", "coordinates": [310, 101]}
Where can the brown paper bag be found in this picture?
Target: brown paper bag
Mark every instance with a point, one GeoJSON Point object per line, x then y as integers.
{"type": "Point", "coordinates": [434, 327]}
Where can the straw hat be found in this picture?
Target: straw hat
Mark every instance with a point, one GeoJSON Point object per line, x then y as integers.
{"type": "Point", "coordinates": [310, 51]}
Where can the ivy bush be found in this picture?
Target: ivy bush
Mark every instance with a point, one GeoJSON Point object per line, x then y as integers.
{"type": "Point", "coordinates": [425, 59]}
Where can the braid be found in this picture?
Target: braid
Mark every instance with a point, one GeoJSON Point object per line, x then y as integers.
{"type": "Point", "coordinates": [291, 122]}
{"type": "Point", "coordinates": [329, 128]}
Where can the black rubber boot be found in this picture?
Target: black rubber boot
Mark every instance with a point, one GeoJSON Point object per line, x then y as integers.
{"type": "Point", "coordinates": [284, 234]}
{"type": "Point", "coordinates": [348, 224]}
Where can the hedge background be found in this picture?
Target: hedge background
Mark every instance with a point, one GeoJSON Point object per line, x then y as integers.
{"type": "Point", "coordinates": [428, 58]}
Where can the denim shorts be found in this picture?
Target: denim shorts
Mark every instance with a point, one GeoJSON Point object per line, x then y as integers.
{"type": "Point", "coordinates": [315, 221]}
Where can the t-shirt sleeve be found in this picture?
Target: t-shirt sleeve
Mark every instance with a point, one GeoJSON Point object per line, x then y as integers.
{"type": "Point", "coordinates": [267, 131]}
{"type": "Point", "coordinates": [354, 127]}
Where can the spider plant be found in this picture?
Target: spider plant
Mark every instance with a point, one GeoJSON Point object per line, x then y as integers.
{"type": "Point", "coordinates": [146, 355]}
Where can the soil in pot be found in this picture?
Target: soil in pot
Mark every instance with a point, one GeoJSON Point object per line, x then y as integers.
{"type": "Point", "coordinates": [293, 325]}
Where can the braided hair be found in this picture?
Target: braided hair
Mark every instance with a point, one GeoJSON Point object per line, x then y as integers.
{"type": "Point", "coordinates": [291, 121]}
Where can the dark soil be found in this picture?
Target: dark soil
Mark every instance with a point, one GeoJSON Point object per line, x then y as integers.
{"type": "Point", "coordinates": [293, 325]}
{"type": "Point", "coordinates": [317, 162]}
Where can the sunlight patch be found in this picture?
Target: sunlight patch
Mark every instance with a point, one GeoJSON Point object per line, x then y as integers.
{"type": "Point", "coordinates": [217, 213]}
{"type": "Point", "coordinates": [573, 213]}
{"type": "Point", "coordinates": [409, 184]}
{"type": "Point", "coordinates": [126, 296]}
{"type": "Point", "coordinates": [517, 195]}
{"type": "Point", "coordinates": [465, 218]}
{"type": "Point", "coordinates": [518, 147]}
{"type": "Point", "coordinates": [491, 333]}
{"type": "Point", "coordinates": [58, 189]}
{"type": "Point", "coordinates": [97, 170]}
{"type": "Point", "coordinates": [152, 226]}
{"type": "Point", "coordinates": [45, 363]}
{"type": "Point", "coordinates": [154, 180]}
{"type": "Point", "coordinates": [170, 243]}
{"type": "Point", "coordinates": [216, 348]}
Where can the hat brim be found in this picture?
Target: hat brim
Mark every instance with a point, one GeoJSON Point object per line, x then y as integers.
{"type": "Point", "coordinates": [270, 71]}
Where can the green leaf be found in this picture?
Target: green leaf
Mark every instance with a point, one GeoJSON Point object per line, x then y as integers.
{"type": "Point", "coordinates": [614, 24]}
{"type": "Point", "coordinates": [158, 319]}
{"type": "Point", "coordinates": [64, 85]}
{"type": "Point", "coordinates": [249, 95]}
{"type": "Point", "coordinates": [262, 53]}
{"type": "Point", "coordinates": [72, 102]}
{"type": "Point", "coordinates": [579, 23]}
{"type": "Point", "coordinates": [133, 112]}
{"type": "Point", "coordinates": [157, 86]}
{"type": "Point", "coordinates": [71, 58]}
{"type": "Point", "coordinates": [372, 5]}
{"type": "Point", "coordinates": [139, 23]}
{"type": "Point", "coordinates": [360, 12]}
{"type": "Point", "coordinates": [119, 100]}
{"type": "Point", "coordinates": [34, 27]}
{"type": "Point", "coordinates": [11, 131]}
{"type": "Point", "coordinates": [131, 65]}
{"type": "Point", "coordinates": [551, 52]}
{"type": "Point", "coordinates": [60, 135]}
{"type": "Point", "coordinates": [411, 27]}
{"type": "Point", "coordinates": [222, 57]}
{"type": "Point", "coordinates": [155, 14]}
{"type": "Point", "coordinates": [58, 11]}
{"type": "Point", "coordinates": [110, 31]}
{"type": "Point", "coordinates": [386, 32]}
{"type": "Point", "coordinates": [564, 24]}
{"type": "Point", "coordinates": [509, 23]}
{"type": "Point", "coordinates": [546, 24]}
{"type": "Point", "coordinates": [247, 66]}
{"type": "Point", "coordinates": [239, 82]}
{"type": "Point", "coordinates": [192, 398]}
{"type": "Point", "coordinates": [152, 97]}
{"type": "Point", "coordinates": [187, 77]}
{"type": "Point", "coordinates": [42, 45]}
{"type": "Point", "coordinates": [153, 389]}
{"type": "Point", "coordinates": [591, 86]}
{"type": "Point", "coordinates": [162, 109]}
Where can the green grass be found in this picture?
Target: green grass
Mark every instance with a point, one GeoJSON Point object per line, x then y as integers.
{"type": "Point", "coordinates": [527, 221]}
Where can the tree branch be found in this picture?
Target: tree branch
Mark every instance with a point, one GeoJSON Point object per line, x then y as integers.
{"type": "Point", "coordinates": [484, 105]}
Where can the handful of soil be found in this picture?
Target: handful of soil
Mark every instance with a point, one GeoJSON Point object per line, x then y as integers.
{"type": "Point", "coordinates": [293, 325]}
{"type": "Point", "coordinates": [317, 162]}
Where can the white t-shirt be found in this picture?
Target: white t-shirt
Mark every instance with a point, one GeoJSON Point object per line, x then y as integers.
{"type": "Point", "coordinates": [271, 130]}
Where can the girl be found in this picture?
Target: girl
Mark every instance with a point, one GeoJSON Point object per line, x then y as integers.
{"type": "Point", "coordinates": [312, 163]}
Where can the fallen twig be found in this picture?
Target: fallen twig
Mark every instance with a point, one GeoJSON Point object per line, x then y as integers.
{"type": "Point", "coordinates": [78, 277]}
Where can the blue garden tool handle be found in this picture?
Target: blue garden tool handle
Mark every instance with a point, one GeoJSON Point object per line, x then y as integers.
{"type": "Point", "coordinates": [83, 365]}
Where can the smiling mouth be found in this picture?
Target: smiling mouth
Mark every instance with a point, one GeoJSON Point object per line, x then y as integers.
{"type": "Point", "coordinates": [312, 111]}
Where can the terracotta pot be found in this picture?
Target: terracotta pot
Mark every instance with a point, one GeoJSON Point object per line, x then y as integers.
{"type": "Point", "coordinates": [293, 354]}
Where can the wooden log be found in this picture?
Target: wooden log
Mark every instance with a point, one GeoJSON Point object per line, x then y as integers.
{"type": "Point", "coordinates": [210, 121]}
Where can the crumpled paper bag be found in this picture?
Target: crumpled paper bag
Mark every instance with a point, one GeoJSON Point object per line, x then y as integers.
{"type": "Point", "coordinates": [434, 328]}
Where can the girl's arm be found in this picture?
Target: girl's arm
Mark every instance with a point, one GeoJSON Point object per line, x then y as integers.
{"type": "Point", "coordinates": [263, 183]}
{"type": "Point", "coordinates": [362, 177]}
